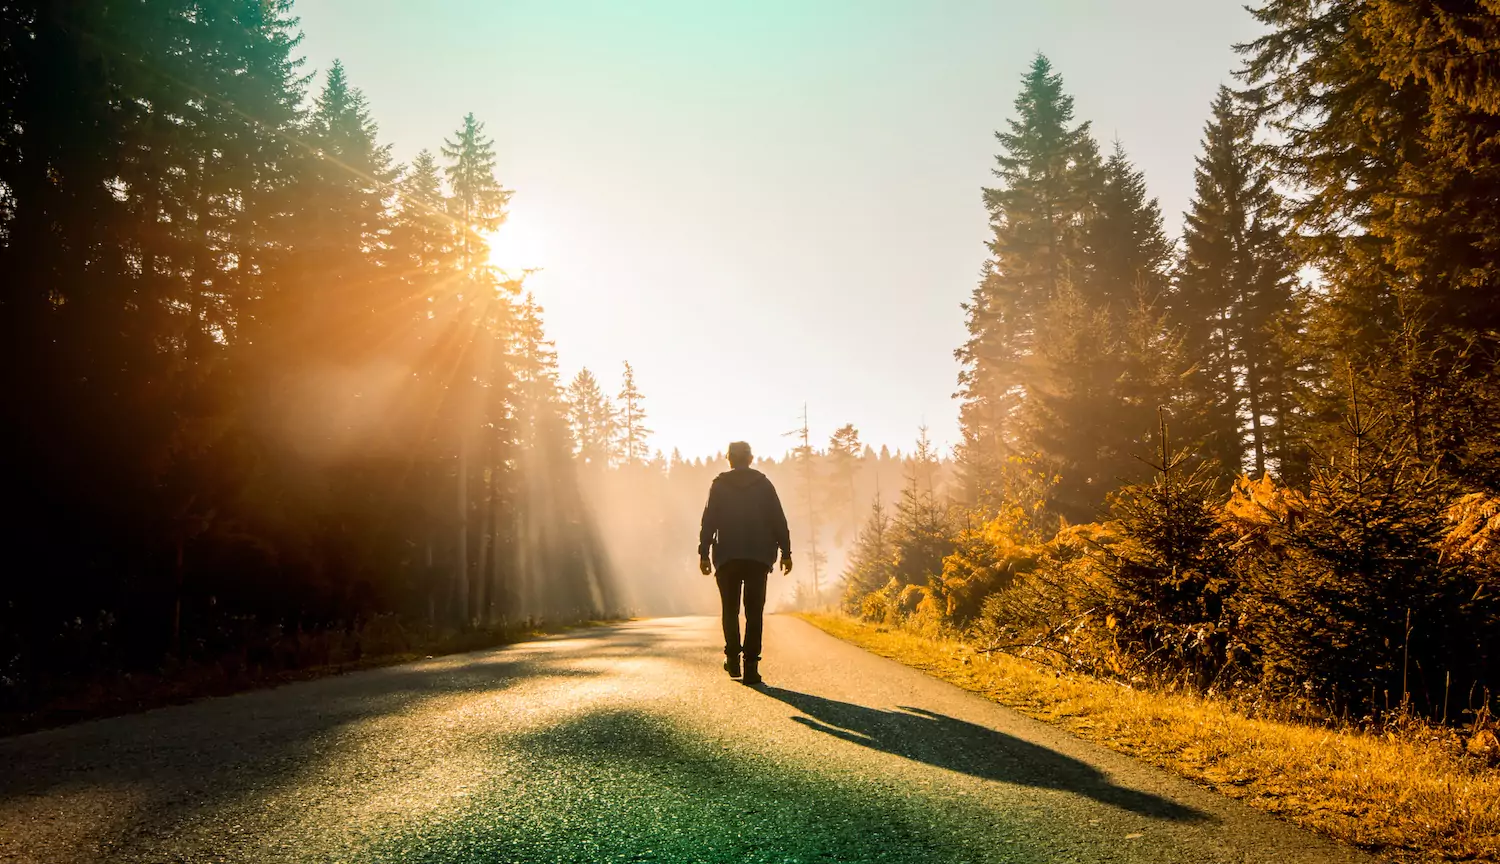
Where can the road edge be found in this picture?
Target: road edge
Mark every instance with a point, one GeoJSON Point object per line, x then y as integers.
{"type": "Point", "coordinates": [1322, 791]}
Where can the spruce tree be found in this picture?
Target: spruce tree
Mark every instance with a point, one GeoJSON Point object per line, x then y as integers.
{"type": "Point", "coordinates": [1070, 420]}
{"type": "Point", "coordinates": [631, 429]}
{"type": "Point", "coordinates": [343, 226]}
{"type": "Point", "coordinates": [423, 241]}
{"type": "Point", "coordinates": [870, 566]}
{"type": "Point", "coordinates": [921, 534]}
{"type": "Point", "coordinates": [1126, 251]}
{"type": "Point", "coordinates": [478, 201]}
{"type": "Point", "coordinates": [555, 569]}
{"type": "Point", "coordinates": [533, 360]}
{"type": "Point", "coordinates": [1234, 299]}
{"type": "Point", "coordinates": [1097, 374]}
{"type": "Point", "coordinates": [1049, 172]}
{"type": "Point", "coordinates": [476, 318]}
{"type": "Point", "coordinates": [1350, 600]}
{"type": "Point", "coordinates": [843, 464]}
{"type": "Point", "coordinates": [1380, 109]}
{"type": "Point", "coordinates": [591, 418]}
{"type": "Point", "coordinates": [1172, 573]}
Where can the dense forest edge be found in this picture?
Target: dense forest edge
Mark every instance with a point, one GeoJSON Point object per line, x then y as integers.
{"type": "Point", "coordinates": [1259, 462]}
{"type": "Point", "coordinates": [270, 405]}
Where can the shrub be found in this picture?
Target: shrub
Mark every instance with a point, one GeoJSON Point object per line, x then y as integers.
{"type": "Point", "coordinates": [989, 557]}
{"type": "Point", "coordinates": [1172, 571]}
{"type": "Point", "coordinates": [1059, 606]}
{"type": "Point", "coordinates": [1348, 597]}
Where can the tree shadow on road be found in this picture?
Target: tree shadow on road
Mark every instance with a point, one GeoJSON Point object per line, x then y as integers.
{"type": "Point", "coordinates": [628, 785]}
{"type": "Point", "coordinates": [190, 773]}
{"type": "Point", "coordinates": [968, 748]}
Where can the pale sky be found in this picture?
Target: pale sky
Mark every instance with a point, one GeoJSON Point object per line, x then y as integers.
{"type": "Point", "coordinates": [764, 204]}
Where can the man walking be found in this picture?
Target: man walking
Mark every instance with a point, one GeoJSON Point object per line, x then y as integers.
{"type": "Point", "coordinates": [743, 527]}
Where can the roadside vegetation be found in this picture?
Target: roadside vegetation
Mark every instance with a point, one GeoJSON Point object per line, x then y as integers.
{"type": "Point", "coordinates": [1229, 501]}
{"type": "Point", "coordinates": [1408, 790]}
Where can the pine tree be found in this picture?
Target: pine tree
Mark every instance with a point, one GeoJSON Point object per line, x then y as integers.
{"type": "Point", "coordinates": [921, 533]}
{"type": "Point", "coordinates": [1095, 377]}
{"type": "Point", "coordinates": [592, 419]}
{"type": "Point", "coordinates": [478, 200]}
{"type": "Point", "coordinates": [1049, 169]}
{"type": "Point", "coordinates": [1126, 251]}
{"type": "Point", "coordinates": [843, 463]}
{"type": "Point", "coordinates": [478, 317]}
{"type": "Point", "coordinates": [870, 563]}
{"type": "Point", "coordinates": [1234, 295]}
{"type": "Point", "coordinates": [631, 430]}
{"type": "Point", "coordinates": [423, 240]}
{"type": "Point", "coordinates": [1380, 108]}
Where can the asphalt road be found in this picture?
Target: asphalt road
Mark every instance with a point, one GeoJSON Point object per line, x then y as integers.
{"type": "Point", "coordinates": [624, 743]}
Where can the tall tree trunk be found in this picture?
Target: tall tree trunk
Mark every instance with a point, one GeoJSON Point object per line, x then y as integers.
{"type": "Point", "coordinates": [497, 586]}
{"type": "Point", "coordinates": [177, 580]}
{"type": "Point", "coordinates": [1257, 432]}
{"type": "Point", "coordinates": [427, 581]}
{"type": "Point", "coordinates": [461, 554]}
{"type": "Point", "coordinates": [487, 543]}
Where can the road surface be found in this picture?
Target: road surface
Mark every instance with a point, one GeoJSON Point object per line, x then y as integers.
{"type": "Point", "coordinates": [623, 743]}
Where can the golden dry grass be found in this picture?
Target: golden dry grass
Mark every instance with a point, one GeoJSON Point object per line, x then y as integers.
{"type": "Point", "coordinates": [1407, 799]}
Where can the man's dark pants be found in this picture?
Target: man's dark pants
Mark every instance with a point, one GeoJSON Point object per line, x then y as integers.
{"type": "Point", "coordinates": [733, 577]}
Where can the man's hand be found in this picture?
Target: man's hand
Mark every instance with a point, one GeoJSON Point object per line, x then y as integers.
{"type": "Point", "coordinates": [705, 566]}
{"type": "Point", "coordinates": [786, 562]}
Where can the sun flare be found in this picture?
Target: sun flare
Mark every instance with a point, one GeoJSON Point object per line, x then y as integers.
{"type": "Point", "coordinates": [519, 245]}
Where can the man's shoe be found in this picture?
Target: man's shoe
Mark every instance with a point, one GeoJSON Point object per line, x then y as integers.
{"type": "Point", "coordinates": [732, 666]}
{"type": "Point", "coordinates": [752, 672]}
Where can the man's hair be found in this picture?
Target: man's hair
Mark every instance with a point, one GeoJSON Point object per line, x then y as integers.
{"type": "Point", "coordinates": [739, 455]}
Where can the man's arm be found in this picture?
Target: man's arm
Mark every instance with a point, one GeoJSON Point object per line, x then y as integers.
{"type": "Point", "coordinates": [778, 523]}
{"type": "Point", "coordinates": [710, 525]}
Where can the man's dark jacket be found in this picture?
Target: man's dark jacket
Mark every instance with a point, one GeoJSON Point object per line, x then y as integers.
{"type": "Point", "coordinates": [743, 520]}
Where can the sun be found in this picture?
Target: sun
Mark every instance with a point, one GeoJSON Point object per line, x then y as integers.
{"type": "Point", "coordinates": [520, 244]}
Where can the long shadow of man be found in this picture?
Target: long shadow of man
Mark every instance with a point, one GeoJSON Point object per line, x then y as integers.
{"type": "Point", "coordinates": [967, 748]}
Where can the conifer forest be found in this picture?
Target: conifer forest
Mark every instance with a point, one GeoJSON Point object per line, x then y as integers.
{"type": "Point", "coordinates": [270, 406]}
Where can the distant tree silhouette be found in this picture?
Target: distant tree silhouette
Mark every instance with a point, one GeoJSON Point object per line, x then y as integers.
{"type": "Point", "coordinates": [921, 534]}
{"type": "Point", "coordinates": [591, 417]}
{"type": "Point", "coordinates": [843, 470]}
{"type": "Point", "coordinates": [872, 560]}
{"type": "Point", "coordinates": [631, 430]}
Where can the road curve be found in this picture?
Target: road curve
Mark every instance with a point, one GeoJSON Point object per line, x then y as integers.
{"type": "Point", "coordinates": [623, 743]}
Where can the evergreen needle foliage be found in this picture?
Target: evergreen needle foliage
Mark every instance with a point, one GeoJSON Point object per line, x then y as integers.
{"type": "Point", "coordinates": [1321, 347]}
